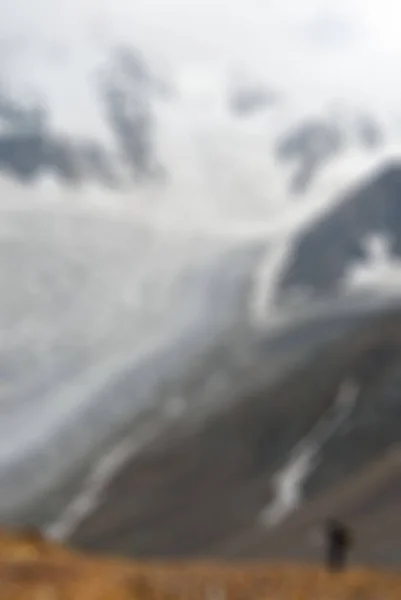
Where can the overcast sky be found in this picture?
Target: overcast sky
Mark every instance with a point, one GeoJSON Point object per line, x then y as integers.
{"type": "Point", "coordinates": [333, 48]}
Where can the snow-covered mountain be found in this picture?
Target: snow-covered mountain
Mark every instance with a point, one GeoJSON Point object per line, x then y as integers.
{"type": "Point", "coordinates": [363, 227]}
{"type": "Point", "coordinates": [155, 221]}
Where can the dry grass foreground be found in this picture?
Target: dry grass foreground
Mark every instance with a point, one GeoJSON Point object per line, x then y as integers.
{"type": "Point", "coordinates": [33, 569]}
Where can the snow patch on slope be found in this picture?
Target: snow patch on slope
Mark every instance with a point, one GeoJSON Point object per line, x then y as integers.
{"type": "Point", "coordinates": [290, 480]}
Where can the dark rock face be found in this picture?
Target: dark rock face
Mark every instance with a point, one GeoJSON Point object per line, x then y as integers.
{"type": "Point", "coordinates": [368, 132]}
{"type": "Point", "coordinates": [29, 147]}
{"type": "Point", "coordinates": [313, 144]}
{"type": "Point", "coordinates": [309, 146]}
{"type": "Point", "coordinates": [127, 90]}
{"type": "Point", "coordinates": [25, 156]}
{"type": "Point", "coordinates": [327, 248]}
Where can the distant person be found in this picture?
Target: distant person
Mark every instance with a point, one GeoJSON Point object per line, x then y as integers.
{"type": "Point", "coordinates": [338, 543]}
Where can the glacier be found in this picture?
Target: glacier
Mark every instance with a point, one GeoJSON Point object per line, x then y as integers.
{"type": "Point", "coordinates": [108, 293]}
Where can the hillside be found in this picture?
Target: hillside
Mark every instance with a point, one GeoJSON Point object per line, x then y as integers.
{"type": "Point", "coordinates": [204, 491]}
{"type": "Point", "coordinates": [31, 568]}
{"type": "Point", "coordinates": [197, 360]}
{"type": "Point", "coordinates": [325, 251]}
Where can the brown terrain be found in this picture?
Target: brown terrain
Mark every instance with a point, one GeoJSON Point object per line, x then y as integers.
{"type": "Point", "coordinates": [199, 492]}
{"type": "Point", "coordinates": [33, 569]}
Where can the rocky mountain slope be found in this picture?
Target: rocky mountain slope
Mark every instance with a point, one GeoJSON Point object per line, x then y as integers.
{"type": "Point", "coordinates": [314, 143]}
{"type": "Point", "coordinates": [328, 247]}
{"type": "Point", "coordinates": [131, 102]}
{"type": "Point", "coordinates": [31, 148]}
{"type": "Point", "coordinates": [211, 489]}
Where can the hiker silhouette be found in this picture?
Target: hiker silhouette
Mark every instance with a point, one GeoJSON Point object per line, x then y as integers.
{"type": "Point", "coordinates": [338, 540]}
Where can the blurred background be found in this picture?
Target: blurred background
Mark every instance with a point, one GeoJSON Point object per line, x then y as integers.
{"type": "Point", "coordinates": [200, 307]}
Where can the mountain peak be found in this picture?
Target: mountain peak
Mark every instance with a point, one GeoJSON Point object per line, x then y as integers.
{"type": "Point", "coordinates": [326, 250]}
